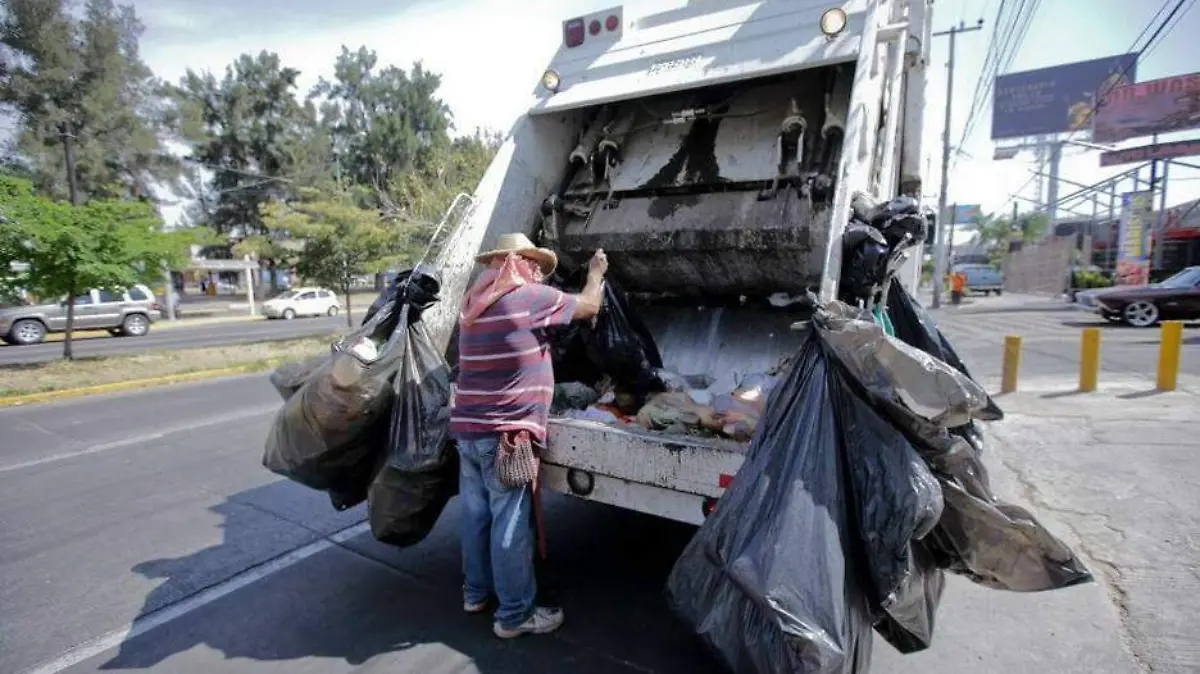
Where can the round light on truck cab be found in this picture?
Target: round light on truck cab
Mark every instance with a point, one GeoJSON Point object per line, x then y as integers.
{"type": "Point", "coordinates": [833, 21]}
{"type": "Point", "coordinates": [551, 81]}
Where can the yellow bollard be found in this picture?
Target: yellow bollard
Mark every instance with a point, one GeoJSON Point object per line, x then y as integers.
{"type": "Point", "coordinates": [1011, 364]}
{"type": "Point", "coordinates": [1168, 355]}
{"type": "Point", "coordinates": [1089, 359]}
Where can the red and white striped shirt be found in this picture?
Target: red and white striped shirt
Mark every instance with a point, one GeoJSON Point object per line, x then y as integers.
{"type": "Point", "coordinates": [505, 375]}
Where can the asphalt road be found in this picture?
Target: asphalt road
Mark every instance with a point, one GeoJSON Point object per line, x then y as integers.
{"type": "Point", "coordinates": [180, 337]}
{"type": "Point", "coordinates": [139, 531]}
{"type": "Point", "coordinates": [1050, 333]}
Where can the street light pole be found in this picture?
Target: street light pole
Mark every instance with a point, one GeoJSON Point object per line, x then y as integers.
{"type": "Point", "coordinates": [939, 253]}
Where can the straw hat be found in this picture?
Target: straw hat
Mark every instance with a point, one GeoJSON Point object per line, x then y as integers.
{"type": "Point", "coordinates": [521, 245]}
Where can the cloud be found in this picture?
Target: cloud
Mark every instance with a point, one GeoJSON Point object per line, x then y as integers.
{"type": "Point", "coordinates": [490, 52]}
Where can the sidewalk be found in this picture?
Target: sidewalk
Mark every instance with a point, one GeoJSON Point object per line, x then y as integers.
{"type": "Point", "coordinates": [1118, 473]}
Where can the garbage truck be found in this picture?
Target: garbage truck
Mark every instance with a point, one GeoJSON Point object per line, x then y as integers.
{"type": "Point", "coordinates": [713, 149]}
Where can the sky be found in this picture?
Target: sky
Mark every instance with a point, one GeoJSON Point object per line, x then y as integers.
{"type": "Point", "coordinates": [491, 53]}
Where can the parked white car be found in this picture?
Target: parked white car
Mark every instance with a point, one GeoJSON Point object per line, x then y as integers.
{"type": "Point", "coordinates": [302, 302]}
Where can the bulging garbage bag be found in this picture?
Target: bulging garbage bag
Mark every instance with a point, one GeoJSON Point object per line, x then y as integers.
{"type": "Point", "coordinates": [420, 475]}
{"type": "Point", "coordinates": [289, 377]}
{"type": "Point", "coordinates": [891, 368]}
{"type": "Point", "coordinates": [770, 582]}
{"type": "Point", "coordinates": [917, 328]}
{"type": "Point", "coordinates": [995, 544]}
{"type": "Point", "coordinates": [620, 345]}
{"type": "Point", "coordinates": [326, 436]}
{"type": "Point", "coordinates": [896, 502]}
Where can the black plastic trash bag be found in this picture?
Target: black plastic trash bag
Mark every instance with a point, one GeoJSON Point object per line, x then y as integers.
{"type": "Point", "coordinates": [327, 436]}
{"type": "Point", "coordinates": [993, 543]}
{"type": "Point", "coordinates": [770, 582]}
{"type": "Point", "coordinates": [864, 263]}
{"type": "Point", "coordinates": [620, 345]}
{"type": "Point", "coordinates": [917, 328]}
{"type": "Point", "coordinates": [421, 474]}
{"type": "Point", "coordinates": [896, 502]}
{"type": "Point", "coordinates": [289, 377]}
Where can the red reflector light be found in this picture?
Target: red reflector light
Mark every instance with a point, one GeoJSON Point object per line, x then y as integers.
{"type": "Point", "coordinates": [573, 32]}
{"type": "Point", "coordinates": [594, 27]}
{"type": "Point", "coordinates": [612, 22]}
{"type": "Point", "coordinates": [724, 481]}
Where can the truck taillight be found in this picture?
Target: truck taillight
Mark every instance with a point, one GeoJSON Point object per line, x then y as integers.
{"type": "Point", "coordinates": [612, 23]}
{"type": "Point", "coordinates": [573, 32]}
{"type": "Point", "coordinates": [594, 27]}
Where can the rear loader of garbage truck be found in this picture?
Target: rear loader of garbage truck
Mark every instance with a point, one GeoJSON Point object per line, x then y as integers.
{"type": "Point", "coordinates": [712, 149]}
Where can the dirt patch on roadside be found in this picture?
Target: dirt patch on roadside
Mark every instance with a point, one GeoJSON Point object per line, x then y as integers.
{"type": "Point", "coordinates": [40, 377]}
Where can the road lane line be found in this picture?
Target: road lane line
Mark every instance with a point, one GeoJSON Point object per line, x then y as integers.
{"type": "Point", "coordinates": [166, 614]}
{"type": "Point", "coordinates": [146, 437]}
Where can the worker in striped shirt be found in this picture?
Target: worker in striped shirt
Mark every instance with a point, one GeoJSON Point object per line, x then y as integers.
{"type": "Point", "coordinates": [504, 389]}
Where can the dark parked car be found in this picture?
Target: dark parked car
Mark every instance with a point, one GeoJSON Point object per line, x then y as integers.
{"type": "Point", "coordinates": [1175, 298]}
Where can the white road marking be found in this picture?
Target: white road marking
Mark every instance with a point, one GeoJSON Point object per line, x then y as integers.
{"type": "Point", "coordinates": [146, 437]}
{"type": "Point", "coordinates": [183, 607]}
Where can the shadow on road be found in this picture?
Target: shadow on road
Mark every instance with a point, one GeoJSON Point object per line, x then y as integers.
{"type": "Point", "coordinates": [363, 601]}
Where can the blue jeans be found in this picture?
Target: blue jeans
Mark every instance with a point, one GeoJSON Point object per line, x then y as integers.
{"type": "Point", "coordinates": [497, 535]}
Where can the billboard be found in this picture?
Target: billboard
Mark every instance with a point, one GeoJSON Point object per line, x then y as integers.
{"type": "Point", "coordinates": [1146, 108]}
{"type": "Point", "coordinates": [1056, 99]}
{"type": "Point", "coordinates": [1133, 155]}
{"type": "Point", "coordinates": [966, 213]}
{"type": "Point", "coordinates": [1133, 253]}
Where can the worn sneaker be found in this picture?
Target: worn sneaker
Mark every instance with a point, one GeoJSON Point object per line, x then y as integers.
{"type": "Point", "coordinates": [475, 608]}
{"type": "Point", "coordinates": [543, 621]}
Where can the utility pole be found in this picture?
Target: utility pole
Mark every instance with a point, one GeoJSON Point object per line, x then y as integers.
{"type": "Point", "coordinates": [73, 186]}
{"type": "Point", "coordinates": [939, 253]}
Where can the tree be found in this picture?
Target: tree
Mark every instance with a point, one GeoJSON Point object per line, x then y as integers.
{"type": "Point", "coordinates": [78, 77]}
{"type": "Point", "coordinates": [251, 132]}
{"type": "Point", "coordinates": [340, 238]}
{"type": "Point", "coordinates": [994, 234]}
{"type": "Point", "coordinates": [259, 143]}
{"type": "Point", "coordinates": [382, 121]}
{"type": "Point", "coordinates": [106, 244]}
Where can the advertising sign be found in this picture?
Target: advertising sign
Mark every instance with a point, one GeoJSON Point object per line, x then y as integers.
{"type": "Point", "coordinates": [966, 213]}
{"type": "Point", "coordinates": [1056, 99]}
{"type": "Point", "coordinates": [1133, 253]}
{"type": "Point", "coordinates": [1146, 108]}
{"type": "Point", "coordinates": [1133, 155]}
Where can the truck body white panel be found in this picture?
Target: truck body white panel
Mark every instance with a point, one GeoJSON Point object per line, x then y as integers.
{"type": "Point", "coordinates": [671, 46]}
{"type": "Point", "coordinates": [662, 52]}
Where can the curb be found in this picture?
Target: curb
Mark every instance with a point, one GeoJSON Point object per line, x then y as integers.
{"type": "Point", "coordinates": [161, 324]}
{"type": "Point", "coordinates": [114, 387]}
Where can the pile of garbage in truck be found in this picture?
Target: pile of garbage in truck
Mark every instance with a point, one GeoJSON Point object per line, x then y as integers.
{"type": "Point", "coordinates": [863, 483]}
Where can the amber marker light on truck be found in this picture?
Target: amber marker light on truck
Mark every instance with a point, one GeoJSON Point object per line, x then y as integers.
{"type": "Point", "coordinates": [833, 22]}
{"type": "Point", "coordinates": [551, 81]}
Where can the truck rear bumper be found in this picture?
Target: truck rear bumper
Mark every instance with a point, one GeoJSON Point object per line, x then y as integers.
{"type": "Point", "coordinates": [644, 498]}
{"type": "Point", "coordinates": [669, 476]}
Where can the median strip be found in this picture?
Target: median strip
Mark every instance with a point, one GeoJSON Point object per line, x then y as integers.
{"type": "Point", "coordinates": [41, 382]}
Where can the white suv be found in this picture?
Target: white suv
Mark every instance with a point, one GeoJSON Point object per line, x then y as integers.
{"type": "Point", "coordinates": [302, 302]}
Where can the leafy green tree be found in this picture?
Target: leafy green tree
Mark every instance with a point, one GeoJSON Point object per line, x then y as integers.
{"type": "Point", "coordinates": [76, 76]}
{"type": "Point", "coordinates": [258, 141]}
{"type": "Point", "coordinates": [341, 239]}
{"type": "Point", "coordinates": [382, 121]}
{"type": "Point", "coordinates": [251, 132]}
{"type": "Point", "coordinates": [105, 243]}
